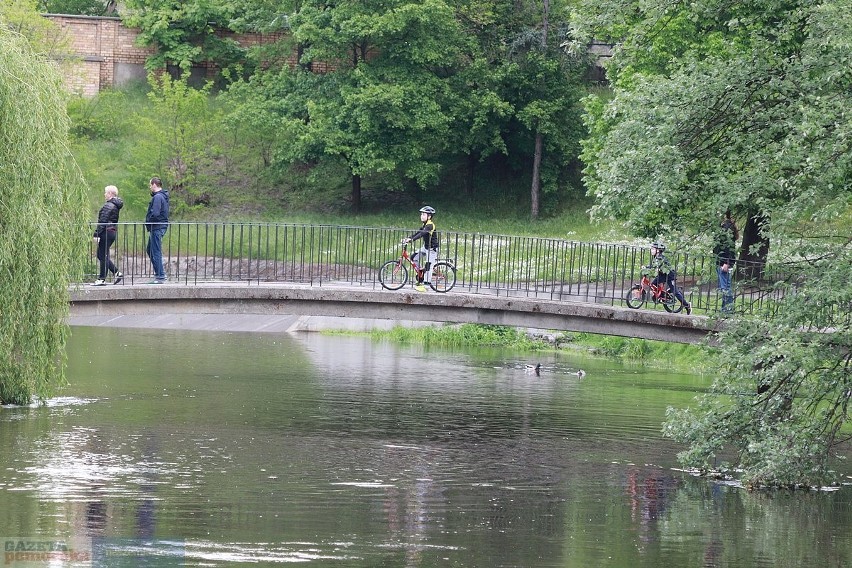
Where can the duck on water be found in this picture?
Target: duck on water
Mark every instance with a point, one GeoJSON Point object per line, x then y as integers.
{"type": "Point", "coordinates": [537, 369]}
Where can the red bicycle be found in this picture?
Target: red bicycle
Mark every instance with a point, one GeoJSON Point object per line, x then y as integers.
{"type": "Point", "coordinates": [646, 290]}
{"type": "Point", "coordinates": [393, 274]}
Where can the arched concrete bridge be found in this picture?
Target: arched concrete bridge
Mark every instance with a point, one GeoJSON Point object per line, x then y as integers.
{"type": "Point", "coordinates": [280, 300]}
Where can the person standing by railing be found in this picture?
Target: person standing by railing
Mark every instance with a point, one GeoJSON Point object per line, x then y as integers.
{"type": "Point", "coordinates": [105, 234]}
{"type": "Point", "coordinates": [156, 223]}
{"type": "Point", "coordinates": [726, 244]}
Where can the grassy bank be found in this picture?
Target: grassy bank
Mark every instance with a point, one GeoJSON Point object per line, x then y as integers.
{"type": "Point", "coordinates": [697, 359]}
{"type": "Point", "coordinates": [465, 335]}
{"type": "Point", "coordinates": [654, 354]}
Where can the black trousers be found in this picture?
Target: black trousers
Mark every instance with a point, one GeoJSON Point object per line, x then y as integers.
{"type": "Point", "coordinates": [107, 238]}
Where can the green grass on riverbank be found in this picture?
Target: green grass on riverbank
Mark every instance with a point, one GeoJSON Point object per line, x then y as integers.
{"type": "Point", "coordinates": [697, 359]}
{"type": "Point", "coordinates": [465, 335]}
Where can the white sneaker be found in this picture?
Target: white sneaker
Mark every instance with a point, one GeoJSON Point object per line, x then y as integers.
{"type": "Point", "coordinates": [99, 282]}
{"type": "Point", "coordinates": [118, 278]}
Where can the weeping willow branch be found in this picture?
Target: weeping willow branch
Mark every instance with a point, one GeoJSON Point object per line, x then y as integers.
{"type": "Point", "coordinates": [42, 222]}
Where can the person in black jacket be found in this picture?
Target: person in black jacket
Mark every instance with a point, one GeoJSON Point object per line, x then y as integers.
{"type": "Point", "coordinates": [428, 253]}
{"type": "Point", "coordinates": [105, 234]}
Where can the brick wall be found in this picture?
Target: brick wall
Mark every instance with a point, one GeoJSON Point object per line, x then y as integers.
{"type": "Point", "coordinates": [83, 77]}
{"type": "Point", "coordinates": [106, 53]}
{"type": "Point", "coordinates": [101, 45]}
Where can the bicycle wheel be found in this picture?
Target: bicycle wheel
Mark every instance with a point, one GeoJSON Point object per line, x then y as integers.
{"type": "Point", "coordinates": [443, 277]}
{"type": "Point", "coordinates": [671, 303]}
{"type": "Point", "coordinates": [393, 275]}
{"type": "Point", "coordinates": [636, 297]}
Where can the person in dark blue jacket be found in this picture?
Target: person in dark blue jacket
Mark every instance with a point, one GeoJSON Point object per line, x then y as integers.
{"type": "Point", "coordinates": [725, 250]}
{"type": "Point", "coordinates": [156, 223]}
{"type": "Point", "coordinates": [105, 234]}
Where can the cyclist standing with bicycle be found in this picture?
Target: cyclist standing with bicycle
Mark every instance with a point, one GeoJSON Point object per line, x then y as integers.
{"type": "Point", "coordinates": [666, 273]}
{"type": "Point", "coordinates": [429, 249]}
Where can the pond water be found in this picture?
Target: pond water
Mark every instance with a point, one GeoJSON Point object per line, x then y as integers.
{"type": "Point", "coordinates": [225, 449]}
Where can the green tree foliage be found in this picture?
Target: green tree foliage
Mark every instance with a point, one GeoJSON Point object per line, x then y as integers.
{"type": "Point", "coordinates": [384, 108]}
{"type": "Point", "coordinates": [414, 86]}
{"type": "Point", "coordinates": [42, 224]}
{"type": "Point", "coordinates": [255, 114]}
{"type": "Point", "coordinates": [22, 16]}
{"type": "Point", "coordinates": [777, 410]}
{"type": "Point", "coordinates": [390, 109]}
{"type": "Point", "coordinates": [406, 89]}
{"type": "Point", "coordinates": [261, 15]}
{"type": "Point", "coordinates": [740, 105]}
{"type": "Point", "coordinates": [182, 144]}
{"type": "Point", "coordinates": [543, 82]}
{"type": "Point", "coordinates": [183, 31]}
{"type": "Point", "coordinates": [743, 105]}
{"type": "Point", "coordinates": [77, 7]}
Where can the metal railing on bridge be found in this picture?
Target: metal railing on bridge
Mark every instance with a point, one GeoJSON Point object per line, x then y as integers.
{"type": "Point", "coordinates": [195, 253]}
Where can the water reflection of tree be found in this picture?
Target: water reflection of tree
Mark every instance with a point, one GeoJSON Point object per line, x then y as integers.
{"type": "Point", "coordinates": [734, 527]}
{"type": "Point", "coordinates": [409, 503]}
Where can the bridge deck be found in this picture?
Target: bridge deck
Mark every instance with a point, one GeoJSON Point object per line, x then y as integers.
{"type": "Point", "coordinates": [269, 301]}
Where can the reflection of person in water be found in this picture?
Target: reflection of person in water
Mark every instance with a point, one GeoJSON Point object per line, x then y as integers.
{"type": "Point", "coordinates": [145, 517]}
{"type": "Point", "coordinates": [96, 510]}
{"type": "Point", "coordinates": [649, 499]}
{"type": "Point", "coordinates": [96, 517]}
{"type": "Point", "coordinates": [146, 513]}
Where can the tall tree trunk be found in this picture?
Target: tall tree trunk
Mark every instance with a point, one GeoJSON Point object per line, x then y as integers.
{"type": "Point", "coordinates": [755, 247]}
{"type": "Point", "coordinates": [535, 190]}
{"type": "Point", "coordinates": [356, 179]}
{"type": "Point", "coordinates": [536, 176]}
{"type": "Point", "coordinates": [356, 193]}
{"type": "Point", "coordinates": [472, 160]}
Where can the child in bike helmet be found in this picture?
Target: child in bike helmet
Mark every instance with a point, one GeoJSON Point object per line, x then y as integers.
{"type": "Point", "coordinates": [429, 249]}
{"type": "Point", "coordinates": [666, 273]}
